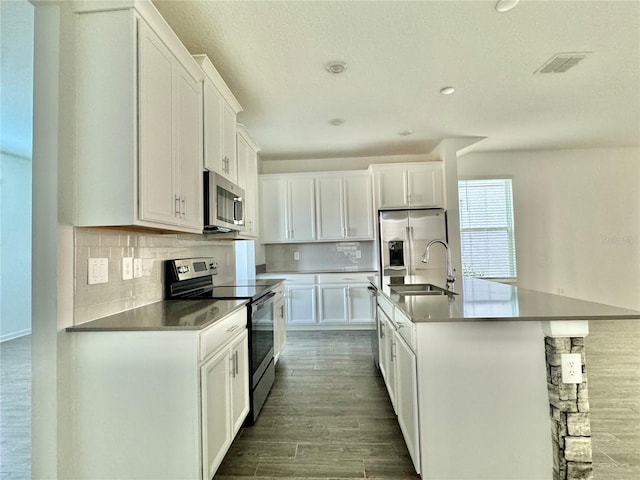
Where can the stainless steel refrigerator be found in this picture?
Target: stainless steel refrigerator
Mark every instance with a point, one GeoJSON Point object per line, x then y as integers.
{"type": "Point", "coordinates": [404, 235]}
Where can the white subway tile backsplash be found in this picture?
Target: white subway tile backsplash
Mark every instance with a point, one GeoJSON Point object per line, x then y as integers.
{"type": "Point", "coordinates": [336, 256]}
{"type": "Point", "coordinates": [95, 301]}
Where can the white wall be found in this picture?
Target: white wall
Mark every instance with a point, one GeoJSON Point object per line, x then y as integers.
{"type": "Point", "coordinates": [16, 105]}
{"type": "Point", "coordinates": [15, 242]}
{"type": "Point", "coordinates": [577, 219]}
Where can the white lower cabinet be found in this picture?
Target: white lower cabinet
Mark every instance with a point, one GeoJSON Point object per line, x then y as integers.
{"type": "Point", "coordinates": [361, 304]}
{"type": "Point", "coordinates": [332, 304]}
{"type": "Point", "coordinates": [397, 361]}
{"type": "Point", "coordinates": [158, 404]}
{"type": "Point", "coordinates": [225, 401]}
{"type": "Point", "coordinates": [388, 356]}
{"type": "Point", "coordinates": [406, 394]}
{"type": "Point", "coordinates": [326, 301]}
{"type": "Point", "coordinates": [301, 304]}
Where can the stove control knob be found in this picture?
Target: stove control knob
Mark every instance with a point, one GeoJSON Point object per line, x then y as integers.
{"type": "Point", "coordinates": [183, 269]}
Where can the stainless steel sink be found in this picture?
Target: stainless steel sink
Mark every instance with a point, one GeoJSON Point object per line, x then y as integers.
{"type": "Point", "coordinates": [420, 289]}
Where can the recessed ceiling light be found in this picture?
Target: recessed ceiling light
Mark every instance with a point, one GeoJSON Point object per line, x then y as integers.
{"type": "Point", "coordinates": [336, 67]}
{"type": "Point", "coordinates": [336, 122]}
{"type": "Point", "coordinates": [505, 5]}
{"type": "Point", "coordinates": [447, 90]}
{"type": "Point", "coordinates": [405, 133]}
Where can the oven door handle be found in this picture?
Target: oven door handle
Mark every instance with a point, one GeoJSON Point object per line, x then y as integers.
{"type": "Point", "coordinates": [260, 303]}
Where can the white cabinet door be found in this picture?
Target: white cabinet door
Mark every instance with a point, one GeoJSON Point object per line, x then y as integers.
{"type": "Point", "coordinates": [301, 209]}
{"type": "Point", "coordinates": [330, 208]}
{"type": "Point", "coordinates": [361, 304]}
{"type": "Point", "coordinates": [213, 104]}
{"type": "Point", "coordinates": [239, 381]}
{"type": "Point", "coordinates": [248, 179]}
{"type": "Point", "coordinates": [332, 304]}
{"type": "Point", "coordinates": [382, 344]}
{"type": "Point", "coordinates": [343, 207]}
{"type": "Point", "coordinates": [407, 397]}
{"type": "Point", "coordinates": [189, 150]}
{"type": "Point", "coordinates": [229, 142]}
{"type": "Point", "coordinates": [216, 411]}
{"type": "Point", "coordinates": [251, 192]}
{"type": "Point", "coordinates": [390, 355]}
{"type": "Point", "coordinates": [242, 153]}
{"type": "Point", "coordinates": [358, 211]}
{"type": "Point", "coordinates": [391, 186]}
{"type": "Point", "coordinates": [409, 185]}
{"type": "Point", "coordinates": [273, 205]}
{"type": "Point", "coordinates": [301, 304]}
{"type": "Point", "coordinates": [287, 206]}
{"type": "Point", "coordinates": [424, 185]}
{"type": "Point", "coordinates": [156, 165]}
{"type": "Point", "coordinates": [220, 112]}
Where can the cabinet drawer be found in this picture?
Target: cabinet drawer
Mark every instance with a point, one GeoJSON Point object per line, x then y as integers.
{"type": "Point", "coordinates": [406, 328]}
{"type": "Point", "coordinates": [221, 332]}
{"type": "Point", "coordinates": [385, 305]}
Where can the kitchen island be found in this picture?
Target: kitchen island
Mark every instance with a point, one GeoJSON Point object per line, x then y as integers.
{"type": "Point", "coordinates": [475, 376]}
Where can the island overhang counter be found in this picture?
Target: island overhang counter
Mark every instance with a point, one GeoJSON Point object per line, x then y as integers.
{"type": "Point", "coordinates": [475, 376]}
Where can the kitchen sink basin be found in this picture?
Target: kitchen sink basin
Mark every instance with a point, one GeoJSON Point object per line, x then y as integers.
{"type": "Point", "coordinates": [420, 289]}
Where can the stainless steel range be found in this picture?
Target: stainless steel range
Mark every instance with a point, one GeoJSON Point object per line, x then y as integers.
{"type": "Point", "coordinates": [192, 278]}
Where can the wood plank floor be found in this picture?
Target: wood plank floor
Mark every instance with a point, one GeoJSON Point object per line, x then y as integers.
{"type": "Point", "coordinates": [15, 409]}
{"type": "Point", "coordinates": [613, 374]}
{"type": "Point", "coordinates": [328, 415]}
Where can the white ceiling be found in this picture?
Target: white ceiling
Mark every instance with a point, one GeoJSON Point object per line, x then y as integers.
{"type": "Point", "coordinates": [400, 53]}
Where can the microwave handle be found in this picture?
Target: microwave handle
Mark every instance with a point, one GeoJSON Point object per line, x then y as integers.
{"type": "Point", "coordinates": [237, 202]}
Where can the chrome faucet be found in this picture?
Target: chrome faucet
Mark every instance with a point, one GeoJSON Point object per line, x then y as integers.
{"type": "Point", "coordinates": [451, 278]}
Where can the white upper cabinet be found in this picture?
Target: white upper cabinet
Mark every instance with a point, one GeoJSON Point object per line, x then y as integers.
{"type": "Point", "coordinates": [408, 185]}
{"type": "Point", "coordinates": [139, 122]}
{"type": "Point", "coordinates": [248, 179]}
{"type": "Point", "coordinates": [287, 208]}
{"type": "Point", "coordinates": [343, 206]}
{"type": "Point", "coordinates": [220, 112]}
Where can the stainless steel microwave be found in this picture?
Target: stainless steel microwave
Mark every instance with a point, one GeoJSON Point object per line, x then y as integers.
{"type": "Point", "coordinates": [223, 204]}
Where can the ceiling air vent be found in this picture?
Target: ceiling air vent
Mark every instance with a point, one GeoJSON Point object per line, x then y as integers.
{"type": "Point", "coordinates": [562, 62]}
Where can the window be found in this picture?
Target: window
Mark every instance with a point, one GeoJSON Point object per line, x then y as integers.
{"type": "Point", "coordinates": [486, 228]}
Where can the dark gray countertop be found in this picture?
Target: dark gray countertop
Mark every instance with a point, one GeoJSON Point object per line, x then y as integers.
{"type": "Point", "coordinates": [164, 315]}
{"type": "Point", "coordinates": [477, 299]}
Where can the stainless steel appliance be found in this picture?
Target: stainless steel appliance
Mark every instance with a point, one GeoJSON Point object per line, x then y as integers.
{"type": "Point", "coordinates": [223, 204]}
{"type": "Point", "coordinates": [192, 279]}
{"type": "Point", "coordinates": [404, 235]}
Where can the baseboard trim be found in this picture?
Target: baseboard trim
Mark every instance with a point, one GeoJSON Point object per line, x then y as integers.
{"type": "Point", "coordinates": [13, 335]}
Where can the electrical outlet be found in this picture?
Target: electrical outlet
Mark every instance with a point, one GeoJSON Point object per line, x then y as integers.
{"type": "Point", "coordinates": [296, 256]}
{"type": "Point", "coordinates": [571, 368]}
{"type": "Point", "coordinates": [127, 268]}
{"type": "Point", "coordinates": [98, 271]}
{"type": "Point", "coordinates": [358, 254]}
{"type": "Point", "coordinates": [137, 267]}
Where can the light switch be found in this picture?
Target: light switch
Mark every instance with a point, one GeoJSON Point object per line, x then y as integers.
{"type": "Point", "coordinates": [137, 267]}
{"type": "Point", "coordinates": [98, 271]}
{"type": "Point", "coordinates": [127, 268]}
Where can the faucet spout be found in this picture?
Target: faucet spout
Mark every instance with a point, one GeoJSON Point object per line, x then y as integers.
{"type": "Point", "coordinates": [450, 279]}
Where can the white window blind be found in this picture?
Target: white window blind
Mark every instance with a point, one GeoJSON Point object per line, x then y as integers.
{"type": "Point", "coordinates": [486, 228]}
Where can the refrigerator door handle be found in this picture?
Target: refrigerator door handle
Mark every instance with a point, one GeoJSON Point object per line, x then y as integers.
{"type": "Point", "coordinates": [410, 266]}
